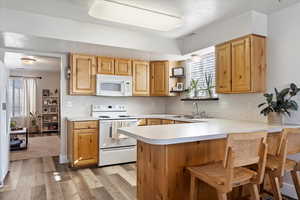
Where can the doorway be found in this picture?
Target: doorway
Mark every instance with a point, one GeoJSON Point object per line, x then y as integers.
{"type": "Point", "coordinates": [34, 96]}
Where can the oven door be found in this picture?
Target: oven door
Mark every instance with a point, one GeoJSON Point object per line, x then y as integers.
{"type": "Point", "coordinates": [106, 138]}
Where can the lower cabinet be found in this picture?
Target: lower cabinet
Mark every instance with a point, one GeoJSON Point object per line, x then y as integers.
{"type": "Point", "coordinates": [153, 122]}
{"type": "Point", "coordinates": [167, 121]}
{"type": "Point", "coordinates": [83, 143]}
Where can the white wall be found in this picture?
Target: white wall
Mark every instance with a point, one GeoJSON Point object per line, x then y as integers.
{"type": "Point", "coordinates": [283, 59]}
{"type": "Point", "coordinates": [65, 29]}
{"type": "Point", "coordinates": [222, 31]}
{"type": "Point", "coordinates": [4, 124]}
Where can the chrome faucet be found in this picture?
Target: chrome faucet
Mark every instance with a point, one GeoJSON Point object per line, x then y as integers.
{"type": "Point", "coordinates": [196, 111]}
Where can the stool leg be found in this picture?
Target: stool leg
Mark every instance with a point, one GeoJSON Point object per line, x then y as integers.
{"type": "Point", "coordinates": [296, 180]}
{"type": "Point", "coordinates": [194, 188]}
{"type": "Point", "coordinates": [275, 186]}
{"type": "Point", "coordinates": [222, 196]}
{"type": "Point", "coordinates": [254, 191]}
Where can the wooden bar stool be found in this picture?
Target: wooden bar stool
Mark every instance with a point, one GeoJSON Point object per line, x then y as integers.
{"type": "Point", "coordinates": [278, 164]}
{"type": "Point", "coordinates": [242, 149]}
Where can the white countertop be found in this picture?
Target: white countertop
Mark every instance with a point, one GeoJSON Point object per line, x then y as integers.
{"type": "Point", "coordinates": [206, 130]}
{"type": "Point", "coordinates": [153, 116]}
{"type": "Point", "coordinates": [88, 118]}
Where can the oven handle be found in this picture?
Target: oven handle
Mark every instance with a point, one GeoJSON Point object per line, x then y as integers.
{"type": "Point", "coordinates": [119, 148]}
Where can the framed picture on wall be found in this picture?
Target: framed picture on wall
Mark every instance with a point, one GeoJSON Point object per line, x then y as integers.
{"type": "Point", "coordinates": [178, 71]}
{"type": "Point", "coordinates": [46, 92]}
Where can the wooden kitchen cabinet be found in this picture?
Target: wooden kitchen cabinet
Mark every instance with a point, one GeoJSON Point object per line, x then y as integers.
{"type": "Point", "coordinates": [142, 122]}
{"type": "Point", "coordinates": [160, 82]}
{"type": "Point", "coordinates": [152, 121]}
{"type": "Point", "coordinates": [83, 75]}
{"type": "Point", "coordinates": [241, 67]}
{"type": "Point", "coordinates": [167, 121]}
{"type": "Point", "coordinates": [141, 78]}
{"type": "Point", "coordinates": [223, 72]}
{"type": "Point", "coordinates": [123, 67]}
{"type": "Point", "coordinates": [83, 146]}
{"type": "Point", "coordinates": [106, 65]}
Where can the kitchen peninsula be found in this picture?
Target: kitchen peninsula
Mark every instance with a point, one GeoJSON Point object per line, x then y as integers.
{"type": "Point", "coordinates": [165, 150]}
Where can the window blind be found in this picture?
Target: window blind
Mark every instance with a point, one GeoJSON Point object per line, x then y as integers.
{"type": "Point", "coordinates": [205, 65]}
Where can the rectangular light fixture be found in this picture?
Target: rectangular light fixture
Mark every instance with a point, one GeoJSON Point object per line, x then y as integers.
{"type": "Point", "coordinates": [123, 13]}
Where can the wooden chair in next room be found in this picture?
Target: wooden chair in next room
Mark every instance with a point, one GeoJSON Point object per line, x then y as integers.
{"type": "Point", "coordinates": [242, 149]}
{"type": "Point", "coordinates": [278, 163]}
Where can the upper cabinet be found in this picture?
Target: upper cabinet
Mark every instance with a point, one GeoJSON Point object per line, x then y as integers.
{"type": "Point", "coordinates": [123, 67]}
{"type": "Point", "coordinates": [114, 66]}
{"type": "Point", "coordinates": [241, 65]}
{"type": "Point", "coordinates": [140, 78]}
{"type": "Point", "coordinates": [223, 63]}
{"type": "Point", "coordinates": [83, 74]}
{"type": "Point", "coordinates": [106, 65]}
{"type": "Point", "coordinates": [160, 82]}
{"type": "Point", "coordinates": [159, 78]}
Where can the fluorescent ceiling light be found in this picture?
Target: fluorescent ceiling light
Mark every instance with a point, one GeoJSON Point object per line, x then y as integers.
{"type": "Point", "coordinates": [124, 13]}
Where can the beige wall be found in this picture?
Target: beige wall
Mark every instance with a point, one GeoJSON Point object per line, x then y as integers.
{"type": "Point", "coordinates": [50, 80]}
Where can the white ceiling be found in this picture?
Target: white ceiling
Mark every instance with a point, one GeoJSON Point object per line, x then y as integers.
{"type": "Point", "coordinates": [196, 13]}
{"type": "Point", "coordinates": [43, 63]}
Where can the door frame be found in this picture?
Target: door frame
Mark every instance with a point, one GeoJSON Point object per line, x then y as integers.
{"type": "Point", "coordinates": [63, 92]}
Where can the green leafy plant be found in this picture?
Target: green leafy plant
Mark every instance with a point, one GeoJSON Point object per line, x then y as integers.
{"type": "Point", "coordinates": [34, 118]}
{"type": "Point", "coordinates": [209, 83]}
{"type": "Point", "coordinates": [282, 103]}
{"type": "Point", "coordinates": [194, 87]}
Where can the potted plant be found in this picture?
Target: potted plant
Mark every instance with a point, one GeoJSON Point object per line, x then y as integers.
{"type": "Point", "coordinates": [194, 88]}
{"type": "Point", "coordinates": [209, 85]}
{"type": "Point", "coordinates": [281, 105]}
{"type": "Point", "coordinates": [34, 125]}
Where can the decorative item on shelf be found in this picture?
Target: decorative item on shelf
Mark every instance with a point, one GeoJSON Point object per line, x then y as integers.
{"type": "Point", "coordinates": [46, 92]}
{"type": "Point", "coordinates": [282, 105]}
{"type": "Point", "coordinates": [209, 87]}
{"type": "Point", "coordinates": [13, 125]}
{"type": "Point", "coordinates": [194, 88]}
{"type": "Point", "coordinates": [178, 72]}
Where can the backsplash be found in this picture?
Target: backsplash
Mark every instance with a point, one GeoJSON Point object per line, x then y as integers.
{"type": "Point", "coordinates": [229, 106]}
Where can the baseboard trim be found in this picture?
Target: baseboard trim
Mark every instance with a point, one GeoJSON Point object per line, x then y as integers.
{"type": "Point", "coordinates": [289, 190]}
{"type": "Point", "coordinates": [63, 159]}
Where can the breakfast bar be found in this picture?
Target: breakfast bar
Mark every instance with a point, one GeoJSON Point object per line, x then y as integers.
{"type": "Point", "coordinates": [164, 151]}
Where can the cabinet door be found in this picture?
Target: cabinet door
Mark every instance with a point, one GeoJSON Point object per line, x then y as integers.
{"type": "Point", "coordinates": [123, 67]}
{"type": "Point", "coordinates": [241, 65]}
{"type": "Point", "coordinates": [166, 121]}
{"type": "Point", "coordinates": [83, 75]}
{"type": "Point", "coordinates": [223, 68]}
{"type": "Point", "coordinates": [141, 76]}
{"type": "Point", "coordinates": [153, 122]}
{"type": "Point", "coordinates": [85, 147]}
{"type": "Point", "coordinates": [159, 73]}
{"type": "Point", "coordinates": [106, 66]}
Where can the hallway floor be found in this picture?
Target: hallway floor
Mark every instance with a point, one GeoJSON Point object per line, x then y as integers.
{"type": "Point", "coordinates": [38, 146]}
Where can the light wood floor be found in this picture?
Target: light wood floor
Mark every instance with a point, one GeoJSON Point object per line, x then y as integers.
{"type": "Point", "coordinates": [42, 146]}
{"type": "Point", "coordinates": [45, 179]}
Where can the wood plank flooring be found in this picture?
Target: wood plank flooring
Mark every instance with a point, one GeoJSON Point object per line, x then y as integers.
{"type": "Point", "coordinates": [45, 179]}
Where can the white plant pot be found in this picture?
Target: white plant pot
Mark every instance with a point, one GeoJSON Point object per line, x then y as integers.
{"type": "Point", "coordinates": [275, 118]}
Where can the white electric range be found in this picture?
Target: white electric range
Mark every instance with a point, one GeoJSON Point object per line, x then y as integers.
{"type": "Point", "coordinates": [114, 148]}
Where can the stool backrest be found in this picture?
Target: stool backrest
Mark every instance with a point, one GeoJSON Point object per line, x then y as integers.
{"type": "Point", "coordinates": [244, 149]}
{"type": "Point", "coordinates": [289, 144]}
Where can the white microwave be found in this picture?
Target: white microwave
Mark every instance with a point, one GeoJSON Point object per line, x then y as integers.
{"type": "Point", "coordinates": [110, 85]}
